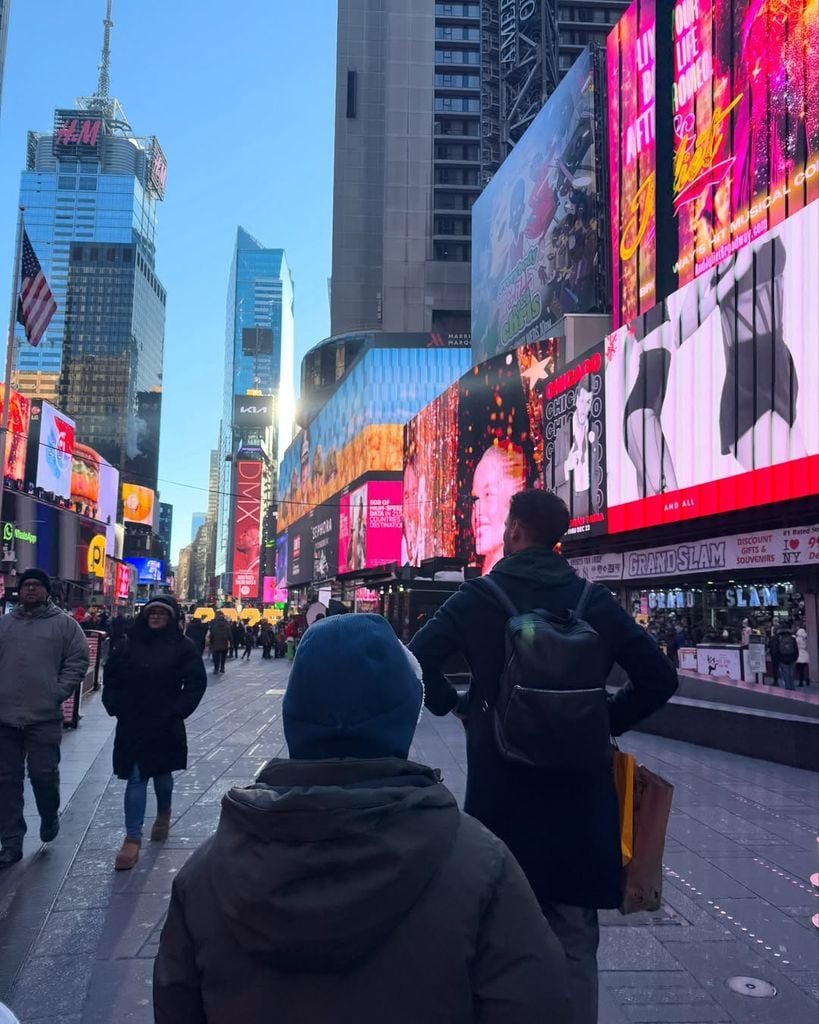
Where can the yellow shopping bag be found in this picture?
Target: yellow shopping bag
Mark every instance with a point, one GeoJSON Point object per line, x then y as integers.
{"type": "Point", "coordinates": [623, 765]}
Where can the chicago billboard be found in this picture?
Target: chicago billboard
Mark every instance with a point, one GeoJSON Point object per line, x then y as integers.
{"type": "Point", "coordinates": [710, 399]}
{"type": "Point", "coordinates": [535, 225]}
{"type": "Point", "coordinates": [574, 461]}
{"type": "Point", "coordinates": [247, 513]}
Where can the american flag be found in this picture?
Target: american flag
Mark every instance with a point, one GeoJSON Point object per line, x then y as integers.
{"type": "Point", "coordinates": [35, 305]}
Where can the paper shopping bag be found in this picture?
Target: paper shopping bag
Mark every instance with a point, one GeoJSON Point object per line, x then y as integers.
{"type": "Point", "coordinates": [623, 766]}
{"type": "Point", "coordinates": [643, 875]}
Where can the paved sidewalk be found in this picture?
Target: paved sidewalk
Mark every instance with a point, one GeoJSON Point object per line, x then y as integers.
{"type": "Point", "coordinates": [738, 896]}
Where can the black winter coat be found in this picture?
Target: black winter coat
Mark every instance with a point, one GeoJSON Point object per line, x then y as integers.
{"type": "Point", "coordinates": [151, 684]}
{"type": "Point", "coordinates": [563, 831]}
{"type": "Point", "coordinates": [353, 892]}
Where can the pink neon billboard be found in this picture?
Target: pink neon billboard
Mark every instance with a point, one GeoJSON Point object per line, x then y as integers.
{"type": "Point", "coordinates": [369, 531]}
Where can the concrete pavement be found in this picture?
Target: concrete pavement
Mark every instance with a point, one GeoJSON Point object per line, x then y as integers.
{"type": "Point", "coordinates": [77, 941]}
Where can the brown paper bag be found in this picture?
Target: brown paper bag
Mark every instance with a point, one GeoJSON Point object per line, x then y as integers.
{"type": "Point", "coordinates": [643, 875]}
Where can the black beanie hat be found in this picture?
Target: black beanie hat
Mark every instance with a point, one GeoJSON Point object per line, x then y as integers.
{"type": "Point", "coordinates": [34, 574]}
{"type": "Point", "coordinates": [163, 601]}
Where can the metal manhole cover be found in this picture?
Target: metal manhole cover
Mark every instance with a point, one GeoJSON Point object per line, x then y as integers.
{"type": "Point", "coordinates": [754, 987]}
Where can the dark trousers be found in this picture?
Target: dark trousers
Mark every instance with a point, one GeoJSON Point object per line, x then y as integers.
{"type": "Point", "coordinates": [219, 659]}
{"type": "Point", "coordinates": [578, 933]}
{"type": "Point", "coordinates": [246, 652]}
{"type": "Point", "coordinates": [234, 649]}
{"type": "Point", "coordinates": [39, 744]}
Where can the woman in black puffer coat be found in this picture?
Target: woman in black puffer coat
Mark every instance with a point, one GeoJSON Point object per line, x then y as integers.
{"type": "Point", "coordinates": [154, 679]}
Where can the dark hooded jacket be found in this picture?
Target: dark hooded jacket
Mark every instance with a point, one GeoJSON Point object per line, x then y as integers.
{"type": "Point", "coordinates": [153, 681]}
{"type": "Point", "coordinates": [563, 830]}
{"type": "Point", "coordinates": [354, 892]}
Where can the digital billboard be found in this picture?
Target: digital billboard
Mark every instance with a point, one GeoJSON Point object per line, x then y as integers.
{"type": "Point", "coordinates": [138, 504]}
{"type": "Point", "coordinates": [535, 225]}
{"type": "Point", "coordinates": [149, 570]}
{"type": "Point", "coordinates": [711, 398]}
{"type": "Point", "coordinates": [247, 538]}
{"type": "Point", "coordinates": [37, 534]}
{"type": "Point", "coordinates": [469, 451]}
{"type": "Point", "coordinates": [369, 533]}
{"type": "Point", "coordinates": [18, 428]}
{"type": "Point", "coordinates": [52, 435]}
{"type": "Point", "coordinates": [94, 483]}
{"type": "Point", "coordinates": [299, 553]}
{"type": "Point", "coordinates": [253, 412]}
{"type": "Point", "coordinates": [721, 98]}
{"type": "Point", "coordinates": [630, 73]}
{"type": "Point", "coordinates": [360, 428]}
{"type": "Point", "coordinates": [574, 461]}
{"type": "Point", "coordinates": [324, 537]}
{"type": "Point", "coordinates": [280, 593]}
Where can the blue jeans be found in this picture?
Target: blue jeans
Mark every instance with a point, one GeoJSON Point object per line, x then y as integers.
{"type": "Point", "coordinates": [786, 672]}
{"type": "Point", "coordinates": [136, 796]}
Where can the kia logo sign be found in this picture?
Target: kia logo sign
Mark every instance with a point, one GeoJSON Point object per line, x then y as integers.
{"type": "Point", "coordinates": [254, 411]}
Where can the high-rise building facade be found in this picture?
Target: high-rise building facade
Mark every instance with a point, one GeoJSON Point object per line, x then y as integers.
{"type": "Point", "coordinates": [90, 192]}
{"type": "Point", "coordinates": [257, 418]}
{"type": "Point", "coordinates": [407, 164]}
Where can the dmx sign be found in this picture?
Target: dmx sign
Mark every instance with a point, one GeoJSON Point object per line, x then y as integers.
{"type": "Point", "coordinates": [254, 412]}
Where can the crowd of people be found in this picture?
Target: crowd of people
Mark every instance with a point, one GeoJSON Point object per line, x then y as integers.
{"type": "Point", "coordinates": [344, 882]}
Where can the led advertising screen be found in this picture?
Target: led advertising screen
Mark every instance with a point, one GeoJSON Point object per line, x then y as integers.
{"type": "Point", "coordinates": [247, 538]}
{"type": "Point", "coordinates": [138, 504]}
{"type": "Point", "coordinates": [745, 122]}
{"type": "Point", "coordinates": [149, 570]}
{"type": "Point", "coordinates": [94, 484]}
{"type": "Point", "coordinates": [56, 447]}
{"type": "Point", "coordinates": [574, 461]}
{"type": "Point", "coordinates": [630, 73]}
{"type": "Point", "coordinates": [370, 526]}
{"type": "Point", "coordinates": [711, 400]}
{"type": "Point", "coordinates": [37, 534]}
{"type": "Point", "coordinates": [280, 592]}
{"type": "Point", "coordinates": [299, 553]}
{"type": "Point", "coordinates": [253, 412]}
{"type": "Point", "coordinates": [324, 535]}
{"type": "Point", "coordinates": [535, 225]}
{"type": "Point", "coordinates": [360, 429]}
{"type": "Point", "coordinates": [17, 439]}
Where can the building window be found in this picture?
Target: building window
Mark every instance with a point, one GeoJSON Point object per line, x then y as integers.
{"type": "Point", "coordinates": [111, 255]}
{"type": "Point", "coordinates": [95, 255]}
{"type": "Point", "coordinates": [452, 252]}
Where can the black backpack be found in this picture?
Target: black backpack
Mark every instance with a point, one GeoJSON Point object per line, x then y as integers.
{"type": "Point", "coordinates": [551, 709]}
{"type": "Point", "coordinates": [787, 647]}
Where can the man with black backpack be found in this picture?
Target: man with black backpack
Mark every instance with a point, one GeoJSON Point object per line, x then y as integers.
{"type": "Point", "coordinates": [540, 643]}
{"type": "Point", "coordinates": [784, 653]}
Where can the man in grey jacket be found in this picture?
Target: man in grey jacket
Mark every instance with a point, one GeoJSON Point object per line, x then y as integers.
{"type": "Point", "coordinates": [43, 656]}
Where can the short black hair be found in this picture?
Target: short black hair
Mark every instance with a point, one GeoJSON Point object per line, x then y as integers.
{"type": "Point", "coordinates": [542, 514]}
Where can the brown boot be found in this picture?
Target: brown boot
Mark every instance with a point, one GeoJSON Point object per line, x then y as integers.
{"type": "Point", "coordinates": [162, 825]}
{"type": "Point", "coordinates": [128, 855]}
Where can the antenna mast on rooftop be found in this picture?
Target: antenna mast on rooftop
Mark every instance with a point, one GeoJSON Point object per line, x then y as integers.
{"type": "Point", "coordinates": [104, 80]}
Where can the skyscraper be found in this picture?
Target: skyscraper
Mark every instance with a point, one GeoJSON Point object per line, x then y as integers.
{"type": "Point", "coordinates": [407, 164]}
{"type": "Point", "coordinates": [90, 191]}
{"type": "Point", "coordinates": [257, 418]}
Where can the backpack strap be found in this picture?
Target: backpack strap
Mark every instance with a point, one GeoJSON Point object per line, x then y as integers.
{"type": "Point", "coordinates": [584, 599]}
{"type": "Point", "coordinates": [499, 594]}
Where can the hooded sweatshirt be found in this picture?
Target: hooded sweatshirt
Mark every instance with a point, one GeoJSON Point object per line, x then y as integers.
{"type": "Point", "coordinates": [354, 891]}
{"type": "Point", "coordinates": [43, 656]}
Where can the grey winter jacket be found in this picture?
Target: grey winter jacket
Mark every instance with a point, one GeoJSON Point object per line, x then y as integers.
{"type": "Point", "coordinates": [43, 655]}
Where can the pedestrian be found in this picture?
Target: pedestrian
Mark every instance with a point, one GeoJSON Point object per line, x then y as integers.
{"type": "Point", "coordinates": [346, 885]}
{"type": "Point", "coordinates": [236, 637]}
{"type": "Point", "coordinates": [803, 659]}
{"type": "Point", "coordinates": [197, 632]}
{"type": "Point", "coordinates": [562, 825]}
{"type": "Point", "coordinates": [249, 641]}
{"type": "Point", "coordinates": [773, 651]}
{"type": "Point", "coordinates": [219, 642]}
{"type": "Point", "coordinates": [43, 659]}
{"type": "Point", "coordinates": [266, 638]}
{"type": "Point", "coordinates": [785, 653]}
{"type": "Point", "coordinates": [154, 680]}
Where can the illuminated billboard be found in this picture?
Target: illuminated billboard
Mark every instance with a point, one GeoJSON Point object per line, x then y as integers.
{"type": "Point", "coordinates": [535, 225]}
{"type": "Point", "coordinates": [324, 537]}
{"type": "Point", "coordinates": [280, 593]}
{"type": "Point", "coordinates": [51, 448]}
{"type": "Point", "coordinates": [138, 504]}
{"type": "Point", "coordinates": [369, 533]}
{"type": "Point", "coordinates": [720, 98]}
{"type": "Point", "coordinates": [630, 73]}
{"type": "Point", "coordinates": [94, 483]}
{"type": "Point", "coordinates": [574, 462]}
{"type": "Point", "coordinates": [360, 428]}
{"type": "Point", "coordinates": [247, 512]}
{"type": "Point", "coordinates": [17, 439]}
{"type": "Point", "coordinates": [711, 400]}
{"type": "Point", "coordinates": [469, 451]}
{"type": "Point", "coordinates": [149, 570]}
{"type": "Point", "coordinates": [253, 412]}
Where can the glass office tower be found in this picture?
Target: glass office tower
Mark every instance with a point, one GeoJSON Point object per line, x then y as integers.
{"type": "Point", "coordinates": [257, 418]}
{"type": "Point", "coordinates": [90, 191]}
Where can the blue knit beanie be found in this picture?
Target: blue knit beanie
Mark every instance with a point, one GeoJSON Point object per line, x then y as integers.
{"type": "Point", "coordinates": [354, 691]}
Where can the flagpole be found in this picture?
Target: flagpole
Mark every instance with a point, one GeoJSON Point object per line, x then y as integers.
{"type": "Point", "coordinates": [15, 293]}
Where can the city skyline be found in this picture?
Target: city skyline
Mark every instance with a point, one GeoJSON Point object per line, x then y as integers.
{"type": "Point", "coordinates": [202, 175]}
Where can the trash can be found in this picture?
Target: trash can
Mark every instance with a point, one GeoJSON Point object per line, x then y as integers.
{"type": "Point", "coordinates": [291, 648]}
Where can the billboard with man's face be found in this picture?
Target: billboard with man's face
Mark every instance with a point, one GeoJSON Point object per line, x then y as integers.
{"type": "Point", "coordinates": [535, 225]}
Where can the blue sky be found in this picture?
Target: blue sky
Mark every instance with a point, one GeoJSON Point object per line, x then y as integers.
{"type": "Point", "coordinates": [241, 97]}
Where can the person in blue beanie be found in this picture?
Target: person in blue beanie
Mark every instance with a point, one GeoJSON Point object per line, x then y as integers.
{"type": "Point", "coordinates": [345, 885]}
